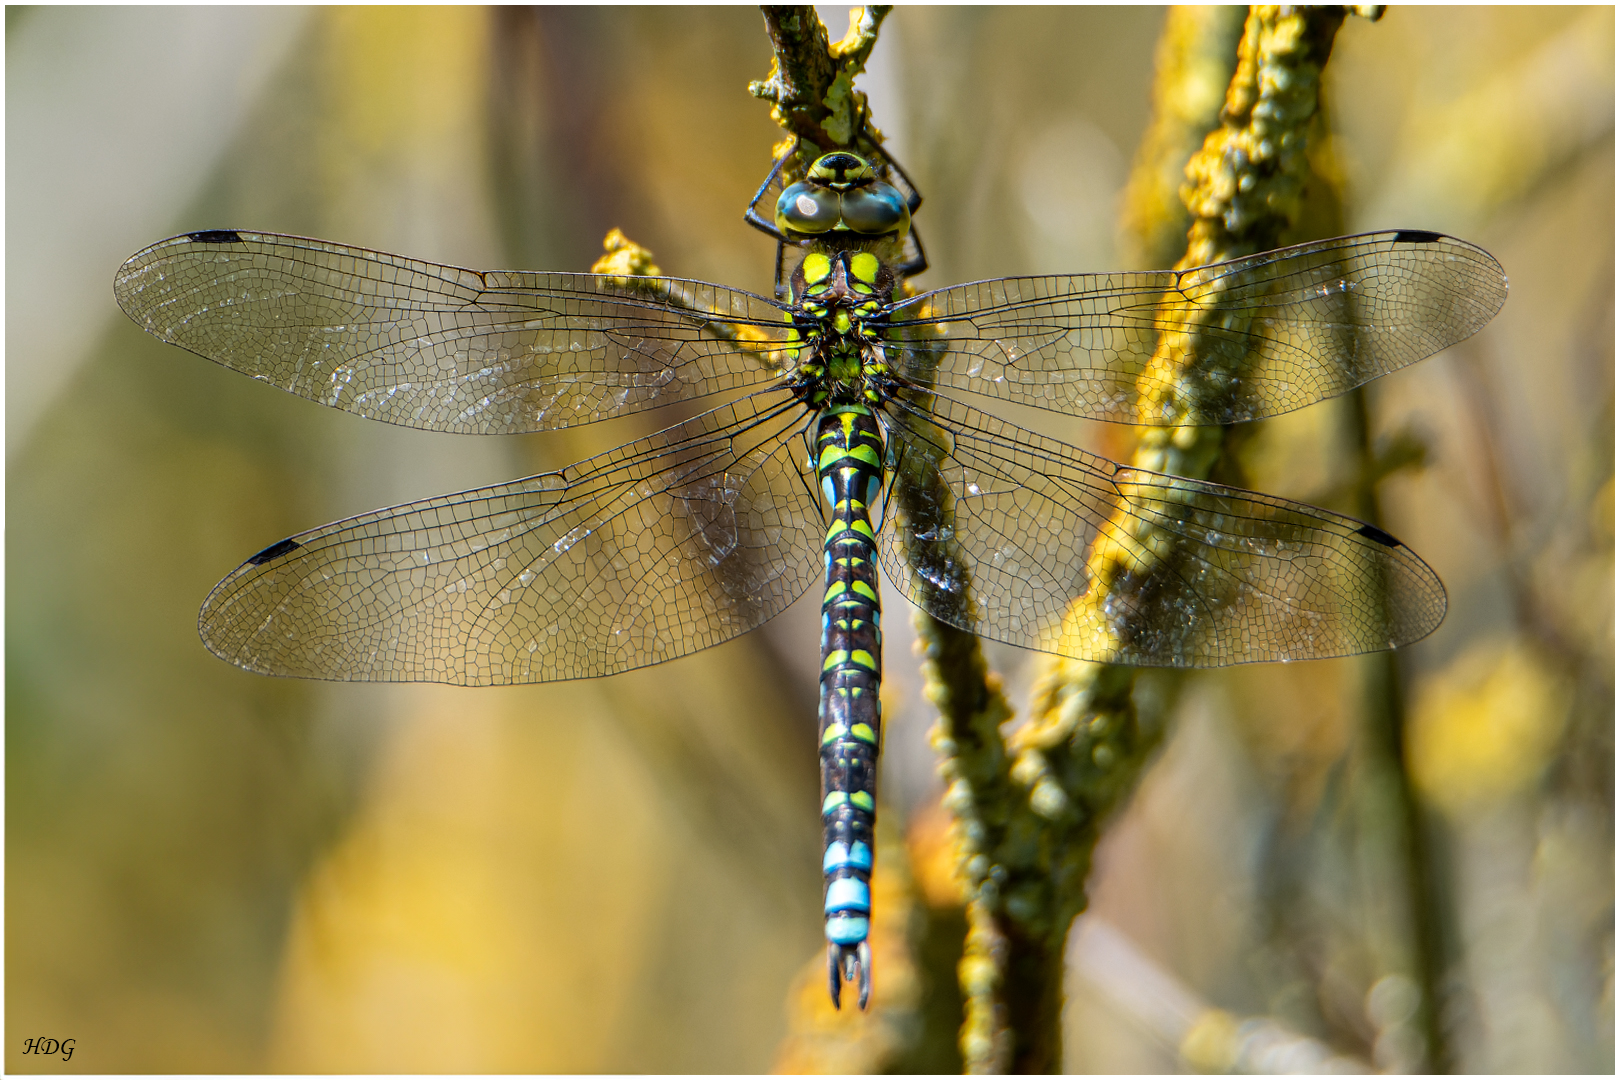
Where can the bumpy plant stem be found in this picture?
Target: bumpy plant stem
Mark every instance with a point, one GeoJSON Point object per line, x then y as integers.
{"type": "Point", "coordinates": [1193, 64]}
{"type": "Point", "coordinates": [1028, 807]}
{"type": "Point", "coordinates": [812, 79]}
{"type": "Point", "coordinates": [1085, 745]}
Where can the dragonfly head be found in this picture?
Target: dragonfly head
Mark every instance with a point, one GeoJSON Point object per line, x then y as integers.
{"type": "Point", "coordinates": [841, 171]}
{"type": "Point", "coordinates": [841, 191]}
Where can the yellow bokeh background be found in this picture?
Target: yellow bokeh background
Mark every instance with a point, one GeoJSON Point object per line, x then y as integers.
{"type": "Point", "coordinates": [211, 871]}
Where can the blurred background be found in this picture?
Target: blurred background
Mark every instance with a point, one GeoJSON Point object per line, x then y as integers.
{"type": "Point", "coordinates": [211, 871]}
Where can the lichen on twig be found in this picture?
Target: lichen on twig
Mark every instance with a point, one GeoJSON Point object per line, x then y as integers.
{"type": "Point", "coordinates": [1084, 745]}
{"type": "Point", "coordinates": [1027, 807]}
{"type": "Point", "coordinates": [812, 79]}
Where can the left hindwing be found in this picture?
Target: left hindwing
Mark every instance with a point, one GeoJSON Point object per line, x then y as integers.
{"type": "Point", "coordinates": [657, 549]}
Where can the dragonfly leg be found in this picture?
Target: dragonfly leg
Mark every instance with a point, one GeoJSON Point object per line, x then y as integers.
{"type": "Point", "coordinates": [753, 216]}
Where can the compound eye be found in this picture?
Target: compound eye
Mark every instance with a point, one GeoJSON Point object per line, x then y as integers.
{"type": "Point", "coordinates": [875, 210]}
{"type": "Point", "coordinates": [806, 209]}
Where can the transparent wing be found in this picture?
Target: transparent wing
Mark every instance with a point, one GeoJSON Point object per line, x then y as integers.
{"type": "Point", "coordinates": [442, 348]}
{"type": "Point", "coordinates": [1273, 332]}
{"type": "Point", "coordinates": [657, 549]}
{"type": "Point", "coordinates": [991, 528]}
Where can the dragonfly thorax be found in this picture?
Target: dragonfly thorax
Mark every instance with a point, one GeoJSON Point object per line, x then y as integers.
{"type": "Point", "coordinates": [839, 299]}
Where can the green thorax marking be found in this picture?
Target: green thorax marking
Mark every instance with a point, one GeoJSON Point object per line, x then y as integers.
{"type": "Point", "coordinates": [838, 296]}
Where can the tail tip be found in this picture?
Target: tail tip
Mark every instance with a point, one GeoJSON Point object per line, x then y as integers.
{"type": "Point", "coordinates": [849, 963]}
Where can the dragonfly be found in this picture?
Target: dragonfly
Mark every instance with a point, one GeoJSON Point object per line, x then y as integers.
{"type": "Point", "coordinates": [843, 439]}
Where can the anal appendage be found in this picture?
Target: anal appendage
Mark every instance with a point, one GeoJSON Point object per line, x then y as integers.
{"type": "Point", "coordinates": [849, 963]}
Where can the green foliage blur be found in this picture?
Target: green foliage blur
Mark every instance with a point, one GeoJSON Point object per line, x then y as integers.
{"type": "Point", "coordinates": [212, 871]}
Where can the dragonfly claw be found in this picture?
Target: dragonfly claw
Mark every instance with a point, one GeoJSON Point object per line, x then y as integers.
{"type": "Point", "coordinates": [852, 964]}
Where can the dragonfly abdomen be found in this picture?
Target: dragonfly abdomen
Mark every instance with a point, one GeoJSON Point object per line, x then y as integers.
{"type": "Point", "coordinates": [849, 464]}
